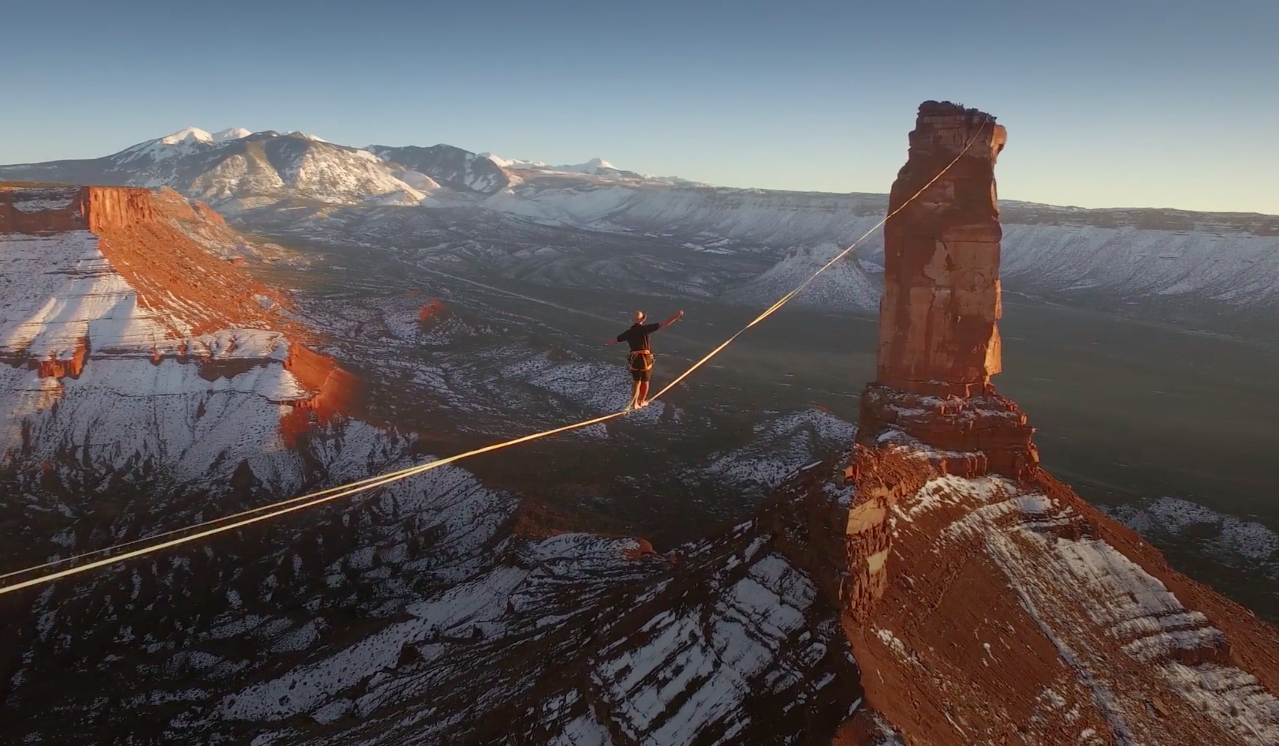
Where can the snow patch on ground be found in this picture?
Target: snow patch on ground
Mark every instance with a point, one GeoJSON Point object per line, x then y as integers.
{"type": "Point", "coordinates": [600, 388]}
{"type": "Point", "coordinates": [1235, 537]}
{"type": "Point", "coordinates": [844, 286]}
{"type": "Point", "coordinates": [43, 205]}
{"type": "Point", "coordinates": [783, 445]}
{"type": "Point", "coordinates": [680, 654]}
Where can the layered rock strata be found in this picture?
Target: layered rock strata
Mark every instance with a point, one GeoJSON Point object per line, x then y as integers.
{"type": "Point", "coordinates": [970, 436]}
{"type": "Point", "coordinates": [114, 293]}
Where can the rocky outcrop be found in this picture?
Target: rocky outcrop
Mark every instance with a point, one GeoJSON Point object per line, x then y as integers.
{"type": "Point", "coordinates": [938, 315]}
{"type": "Point", "coordinates": [69, 364]}
{"type": "Point", "coordinates": [985, 602]}
{"type": "Point", "coordinates": [110, 208]}
{"type": "Point", "coordinates": [939, 336]}
{"type": "Point", "coordinates": [431, 310]}
{"type": "Point", "coordinates": [984, 610]}
{"type": "Point", "coordinates": [336, 393]}
{"type": "Point", "coordinates": [970, 436]}
{"type": "Point", "coordinates": [125, 283]}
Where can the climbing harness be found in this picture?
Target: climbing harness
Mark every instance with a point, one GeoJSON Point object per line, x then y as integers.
{"type": "Point", "coordinates": [161, 541]}
{"type": "Point", "coordinates": [640, 361]}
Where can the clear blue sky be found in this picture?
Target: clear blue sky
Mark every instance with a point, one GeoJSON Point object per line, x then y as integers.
{"type": "Point", "coordinates": [1117, 103]}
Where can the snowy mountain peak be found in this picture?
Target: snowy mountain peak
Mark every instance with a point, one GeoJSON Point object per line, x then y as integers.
{"type": "Point", "coordinates": [592, 166]}
{"type": "Point", "coordinates": [180, 143]}
{"type": "Point", "coordinates": [514, 163]}
{"type": "Point", "coordinates": [195, 134]}
{"type": "Point", "coordinates": [188, 135]}
{"type": "Point", "coordinates": [231, 133]}
{"type": "Point", "coordinates": [305, 136]}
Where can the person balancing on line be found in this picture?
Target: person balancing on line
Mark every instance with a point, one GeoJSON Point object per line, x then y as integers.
{"type": "Point", "coordinates": [640, 360]}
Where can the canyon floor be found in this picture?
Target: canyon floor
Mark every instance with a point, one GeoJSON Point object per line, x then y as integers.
{"type": "Point", "coordinates": [1169, 429]}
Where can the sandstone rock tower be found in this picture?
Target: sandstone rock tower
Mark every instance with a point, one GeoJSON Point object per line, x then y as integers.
{"type": "Point", "coordinates": [938, 330]}
{"type": "Point", "coordinates": [941, 539]}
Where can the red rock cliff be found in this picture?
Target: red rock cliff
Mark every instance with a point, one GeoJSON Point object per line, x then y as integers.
{"type": "Point", "coordinates": [141, 233]}
{"type": "Point", "coordinates": [938, 332]}
{"type": "Point", "coordinates": [938, 329]}
{"type": "Point", "coordinates": [337, 393]}
{"type": "Point", "coordinates": [431, 310]}
{"type": "Point", "coordinates": [156, 241]}
{"type": "Point", "coordinates": [106, 208]}
{"type": "Point", "coordinates": [60, 209]}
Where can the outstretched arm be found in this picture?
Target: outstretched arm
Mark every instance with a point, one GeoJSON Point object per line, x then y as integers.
{"type": "Point", "coordinates": [671, 320]}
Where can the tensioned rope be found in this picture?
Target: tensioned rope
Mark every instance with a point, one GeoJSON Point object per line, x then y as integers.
{"type": "Point", "coordinates": [282, 507]}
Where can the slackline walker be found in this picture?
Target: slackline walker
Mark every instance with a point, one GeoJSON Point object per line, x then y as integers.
{"type": "Point", "coordinates": [165, 540]}
{"type": "Point", "coordinates": [640, 359]}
